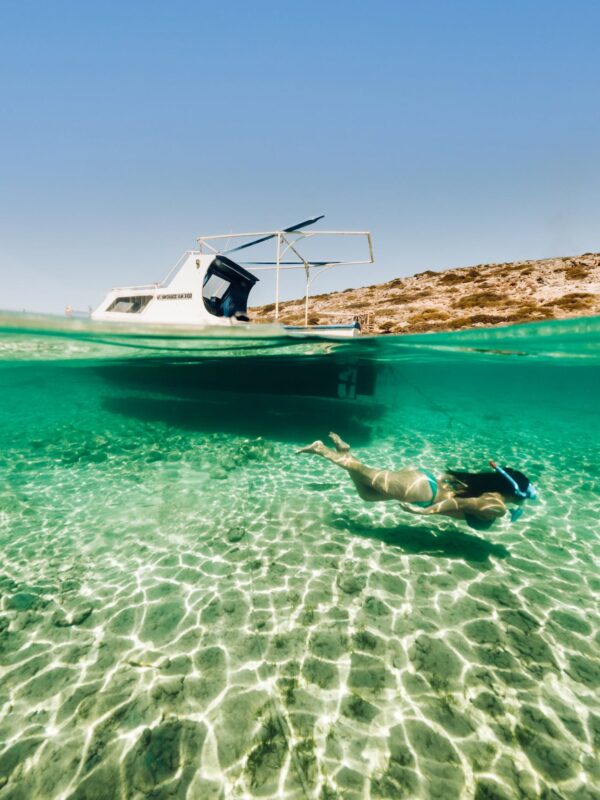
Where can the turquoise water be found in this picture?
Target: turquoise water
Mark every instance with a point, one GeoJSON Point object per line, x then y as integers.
{"type": "Point", "coordinates": [190, 610]}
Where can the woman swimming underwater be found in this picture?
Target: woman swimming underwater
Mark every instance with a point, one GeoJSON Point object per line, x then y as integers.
{"type": "Point", "coordinates": [478, 498]}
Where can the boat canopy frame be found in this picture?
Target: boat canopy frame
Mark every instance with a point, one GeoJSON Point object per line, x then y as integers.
{"type": "Point", "coordinates": [286, 242]}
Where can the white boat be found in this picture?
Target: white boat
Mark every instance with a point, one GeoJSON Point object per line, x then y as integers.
{"type": "Point", "coordinates": [207, 288]}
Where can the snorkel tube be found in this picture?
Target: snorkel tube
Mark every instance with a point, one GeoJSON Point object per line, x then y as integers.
{"type": "Point", "coordinates": [529, 494]}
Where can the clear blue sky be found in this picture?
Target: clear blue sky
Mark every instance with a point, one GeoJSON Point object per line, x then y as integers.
{"type": "Point", "coordinates": [458, 132]}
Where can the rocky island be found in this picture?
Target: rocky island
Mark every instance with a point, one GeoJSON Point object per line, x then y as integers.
{"type": "Point", "coordinates": [465, 297]}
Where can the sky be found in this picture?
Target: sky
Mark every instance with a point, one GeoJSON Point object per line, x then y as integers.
{"type": "Point", "coordinates": [456, 132]}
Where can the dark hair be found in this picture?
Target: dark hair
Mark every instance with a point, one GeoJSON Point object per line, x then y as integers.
{"type": "Point", "coordinates": [474, 484]}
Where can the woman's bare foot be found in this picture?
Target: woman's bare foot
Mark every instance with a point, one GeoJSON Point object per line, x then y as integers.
{"type": "Point", "coordinates": [316, 447]}
{"type": "Point", "coordinates": [338, 443]}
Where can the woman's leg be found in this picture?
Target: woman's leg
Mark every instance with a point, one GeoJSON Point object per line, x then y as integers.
{"type": "Point", "coordinates": [364, 489]}
{"type": "Point", "coordinates": [371, 484]}
{"type": "Point", "coordinates": [339, 444]}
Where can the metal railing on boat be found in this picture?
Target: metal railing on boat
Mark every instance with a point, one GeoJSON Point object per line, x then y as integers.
{"type": "Point", "coordinates": [286, 242]}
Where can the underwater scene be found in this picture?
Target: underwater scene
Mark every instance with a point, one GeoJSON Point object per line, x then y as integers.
{"type": "Point", "coordinates": [191, 609]}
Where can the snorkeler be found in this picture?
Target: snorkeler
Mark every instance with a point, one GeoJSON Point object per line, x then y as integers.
{"type": "Point", "coordinates": [478, 498]}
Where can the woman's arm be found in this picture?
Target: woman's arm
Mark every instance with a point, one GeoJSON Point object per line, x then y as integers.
{"type": "Point", "coordinates": [449, 506]}
{"type": "Point", "coordinates": [488, 506]}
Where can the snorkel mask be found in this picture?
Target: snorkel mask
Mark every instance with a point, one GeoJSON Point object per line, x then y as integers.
{"type": "Point", "coordinates": [529, 494]}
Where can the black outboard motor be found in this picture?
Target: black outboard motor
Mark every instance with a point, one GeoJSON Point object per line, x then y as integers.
{"type": "Point", "coordinates": [226, 288]}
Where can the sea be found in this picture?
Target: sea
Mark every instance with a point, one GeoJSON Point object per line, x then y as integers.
{"type": "Point", "coordinates": [191, 609]}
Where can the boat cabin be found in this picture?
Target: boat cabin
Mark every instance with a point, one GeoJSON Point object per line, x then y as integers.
{"type": "Point", "coordinates": [200, 290]}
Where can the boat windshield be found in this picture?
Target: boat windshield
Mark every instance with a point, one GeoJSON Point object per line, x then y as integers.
{"type": "Point", "coordinates": [226, 288]}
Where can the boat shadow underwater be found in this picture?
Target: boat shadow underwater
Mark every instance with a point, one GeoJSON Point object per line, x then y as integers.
{"type": "Point", "coordinates": [292, 420]}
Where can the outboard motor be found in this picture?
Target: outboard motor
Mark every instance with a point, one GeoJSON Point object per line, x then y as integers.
{"type": "Point", "coordinates": [226, 288]}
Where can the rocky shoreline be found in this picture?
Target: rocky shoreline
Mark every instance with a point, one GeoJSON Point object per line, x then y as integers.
{"type": "Point", "coordinates": [466, 297]}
